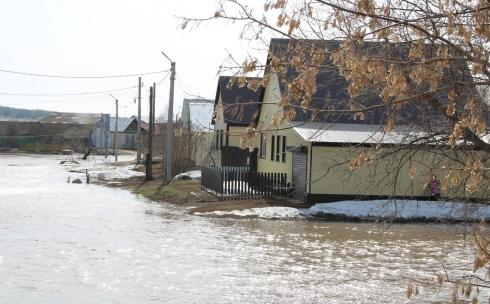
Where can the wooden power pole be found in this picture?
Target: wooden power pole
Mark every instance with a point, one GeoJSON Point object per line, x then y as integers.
{"type": "Point", "coordinates": [138, 134]}
{"type": "Point", "coordinates": [170, 127]}
{"type": "Point", "coordinates": [149, 154]}
{"type": "Point", "coordinates": [116, 126]}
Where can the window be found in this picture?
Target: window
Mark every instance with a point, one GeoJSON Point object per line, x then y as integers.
{"type": "Point", "coordinates": [278, 147]}
{"type": "Point", "coordinates": [273, 150]}
{"type": "Point", "coordinates": [284, 149]}
{"type": "Point", "coordinates": [263, 146]}
{"type": "Point", "coordinates": [221, 138]}
{"type": "Point", "coordinates": [216, 139]}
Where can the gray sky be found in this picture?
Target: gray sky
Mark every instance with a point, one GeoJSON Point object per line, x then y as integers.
{"type": "Point", "coordinates": [107, 37]}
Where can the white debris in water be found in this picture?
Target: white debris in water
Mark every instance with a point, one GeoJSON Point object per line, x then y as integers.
{"type": "Point", "coordinates": [266, 212]}
{"type": "Point", "coordinates": [402, 209]}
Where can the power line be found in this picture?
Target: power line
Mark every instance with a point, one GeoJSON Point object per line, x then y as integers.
{"type": "Point", "coordinates": [74, 94]}
{"type": "Point", "coordinates": [80, 77]}
{"type": "Point", "coordinates": [69, 94]}
{"type": "Point", "coordinates": [163, 79]}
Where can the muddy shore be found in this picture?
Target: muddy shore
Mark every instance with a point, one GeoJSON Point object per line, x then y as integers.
{"type": "Point", "coordinates": [188, 193]}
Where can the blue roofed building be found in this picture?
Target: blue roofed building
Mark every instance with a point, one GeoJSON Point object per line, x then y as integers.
{"type": "Point", "coordinates": [127, 128]}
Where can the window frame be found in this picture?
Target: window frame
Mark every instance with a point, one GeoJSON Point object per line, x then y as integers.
{"type": "Point", "coordinates": [273, 148]}
{"type": "Point", "coordinates": [216, 139]}
{"type": "Point", "coordinates": [284, 147]}
{"type": "Point", "coordinates": [263, 146]}
{"type": "Point", "coordinates": [221, 135]}
{"type": "Point", "coordinates": [278, 148]}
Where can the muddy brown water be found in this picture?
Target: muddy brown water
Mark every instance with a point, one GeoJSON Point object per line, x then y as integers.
{"type": "Point", "coordinates": [67, 243]}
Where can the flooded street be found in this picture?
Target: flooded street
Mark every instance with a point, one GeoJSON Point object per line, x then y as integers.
{"type": "Point", "coordinates": [68, 243]}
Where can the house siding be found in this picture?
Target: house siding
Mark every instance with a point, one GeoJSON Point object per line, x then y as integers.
{"type": "Point", "coordinates": [384, 177]}
{"type": "Point", "coordinates": [270, 108]}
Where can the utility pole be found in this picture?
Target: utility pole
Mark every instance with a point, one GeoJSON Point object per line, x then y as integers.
{"type": "Point", "coordinates": [138, 134]}
{"type": "Point", "coordinates": [149, 154]}
{"type": "Point", "coordinates": [116, 126]}
{"type": "Point", "coordinates": [170, 127]}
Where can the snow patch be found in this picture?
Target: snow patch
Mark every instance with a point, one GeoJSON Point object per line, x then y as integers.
{"type": "Point", "coordinates": [267, 213]}
{"type": "Point", "coordinates": [402, 209]}
{"type": "Point", "coordinates": [103, 171]}
{"type": "Point", "coordinates": [189, 175]}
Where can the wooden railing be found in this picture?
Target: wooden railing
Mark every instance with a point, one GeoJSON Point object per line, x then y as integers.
{"type": "Point", "coordinates": [240, 183]}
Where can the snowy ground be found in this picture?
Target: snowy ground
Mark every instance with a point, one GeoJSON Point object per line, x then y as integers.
{"type": "Point", "coordinates": [102, 169]}
{"type": "Point", "coordinates": [189, 175]}
{"type": "Point", "coordinates": [267, 212]}
{"type": "Point", "coordinates": [369, 210]}
{"type": "Point", "coordinates": [402, 209]}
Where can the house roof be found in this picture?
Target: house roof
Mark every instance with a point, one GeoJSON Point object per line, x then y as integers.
{"type": "Point", "coordinates": [240, 104]}
{"type": "Point", "coordinates": [319, 132]}
{"type": "Point", "coordinates": [336, 133]}
{"type": "Point", "coordinates": [332, 87]}
{"type": "Point", "coordinates": [72, 118]}
{"type": "Point", "coordinates": [122, 123]}
{"type": "Point", "coordinates": [198, 112]}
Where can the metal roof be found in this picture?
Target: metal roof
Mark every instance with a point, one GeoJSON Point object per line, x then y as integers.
{"type": "Point", "coordinates": [201, 115]}
{"type": "Point", "coordinates": [198, 112]}
{"type": "Point", "coordinates": [122, 123]}
{"type": "Point", "coordinates": [353, 133]}
{"type": "Point", "coordinates": [72, 118]}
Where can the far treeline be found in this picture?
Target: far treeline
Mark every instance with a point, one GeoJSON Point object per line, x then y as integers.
{"type": "Point", "coordinates": [15, 113]}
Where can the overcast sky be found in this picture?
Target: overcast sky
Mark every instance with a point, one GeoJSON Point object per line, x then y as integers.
{"type": "Point", "coordinates": [107, 37]}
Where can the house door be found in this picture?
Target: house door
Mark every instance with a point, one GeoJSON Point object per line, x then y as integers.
{"type": "Point", "coordinates": [300, 161]}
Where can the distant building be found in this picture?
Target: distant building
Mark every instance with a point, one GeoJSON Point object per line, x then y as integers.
{"type": "Point", "coordinates": [127, 130]}
{"type": "Point", "coordinates": [15, 133]}
{"type": "Point", "coordinates": [197, 115]}
{"type": "Point", "coordinates": [79, 129]}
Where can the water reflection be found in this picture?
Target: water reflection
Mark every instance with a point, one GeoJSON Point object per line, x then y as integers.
{"type": "Point", "coordinates": [66, 243]}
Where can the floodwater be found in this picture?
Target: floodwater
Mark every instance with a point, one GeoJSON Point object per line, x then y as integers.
{"type": "Point", "coordinates": [69, 243]}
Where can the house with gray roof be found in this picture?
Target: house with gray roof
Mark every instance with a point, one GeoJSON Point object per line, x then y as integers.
{"type": "Point", "coordinates": [317, 147]}
{"type": "Point", "coordinates": [127, 129]}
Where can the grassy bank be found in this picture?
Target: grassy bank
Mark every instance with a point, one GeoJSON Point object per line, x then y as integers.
{"type": "Point", "coordinates": [188, 193]}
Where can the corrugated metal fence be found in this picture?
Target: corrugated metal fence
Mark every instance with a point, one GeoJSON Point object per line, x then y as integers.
{"type": "Point", "coordinates": [240, 183]}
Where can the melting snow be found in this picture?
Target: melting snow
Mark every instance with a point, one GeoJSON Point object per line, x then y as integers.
{"type": "Point", "coordinates": [405, 209]}
{"type": "Point", "coordinates": [102, 170]}
{"type": "Point", "coordinates": [394, 209]}
{"type": "Point", "coordinates": [267, 212]}
{"type": "Point", "coordinates": [189, 175]}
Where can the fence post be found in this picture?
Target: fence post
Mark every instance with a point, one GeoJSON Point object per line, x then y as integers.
{"type": "Point", "coordinates": [221, 183]}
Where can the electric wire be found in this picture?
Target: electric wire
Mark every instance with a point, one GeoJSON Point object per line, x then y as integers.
{"type": "Point", "coordinates": [80, 77]}
{"type": "Point", "coordinates": [67, 94]}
